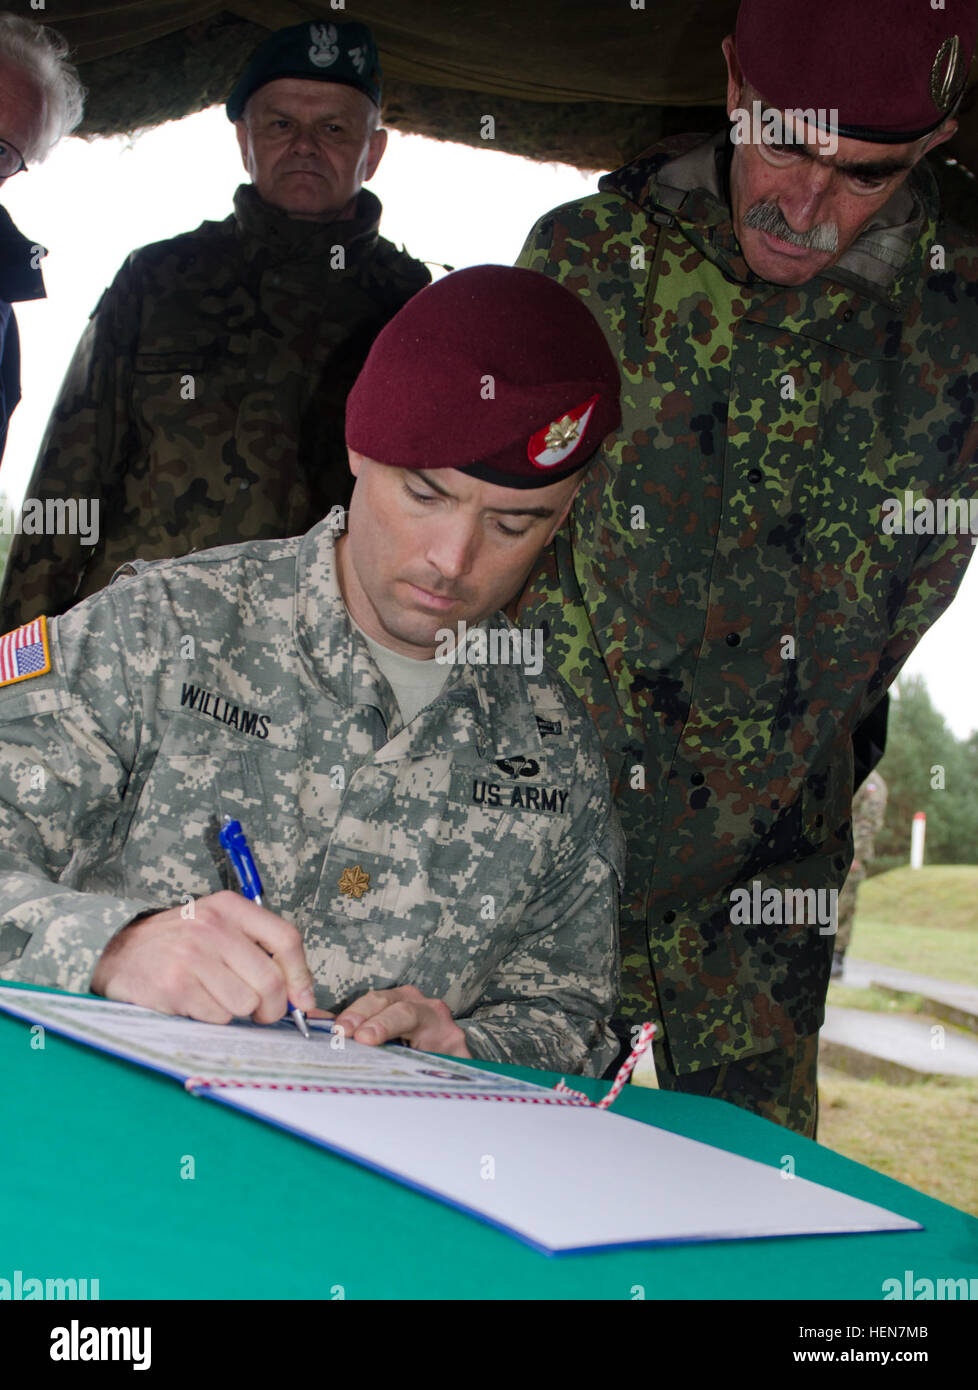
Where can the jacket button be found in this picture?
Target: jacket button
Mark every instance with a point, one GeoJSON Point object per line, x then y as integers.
{"type": "Point", "coordinates": [755, 475]}
{"type": "Point", "coordinates": [668, 917]}
{"type": "Point", "coordinates": [697, 779]}
{"type": "Point", "coordinates": [848, 316]}
{"type": "Point", "coordinates": [733, 639]}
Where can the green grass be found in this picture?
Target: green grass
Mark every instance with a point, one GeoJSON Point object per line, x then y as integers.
{"type": "Point", "coordinates": [925, 920]}
{"type": "Point", "coordinates": [875, 1000]}
{"type": "Point", "coordinates": [921, 1134]}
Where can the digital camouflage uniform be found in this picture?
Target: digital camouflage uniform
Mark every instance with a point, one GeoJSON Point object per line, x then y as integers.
{"type": "Point", "coordinates": [204, 404]}
{"type": "Point", "coordinates": [232, 683]}
{"type": "Point", "coordinates": [723, 596]}
{"type": "Point", "coordinates": [868, 810]}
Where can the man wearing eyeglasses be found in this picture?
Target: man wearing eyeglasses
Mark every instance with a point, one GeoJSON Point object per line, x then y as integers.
{"type": "Point", "coordinates": [40, 100]}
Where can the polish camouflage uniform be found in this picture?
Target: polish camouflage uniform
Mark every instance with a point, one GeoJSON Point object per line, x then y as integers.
{"type": "Point", "coordinates": [205, 401]}
{"type": "Point", "coordinates": [868, 811]}
{"type": "Point", "coordinates": [723, 596]}
{"type": "Point", "coordinates": [232, 683]}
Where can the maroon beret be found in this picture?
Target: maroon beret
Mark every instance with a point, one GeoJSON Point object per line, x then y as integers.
{"type": "Point", "coordinates": [501, 373]}
{"type": "Point", "coordinates": [892, 69]}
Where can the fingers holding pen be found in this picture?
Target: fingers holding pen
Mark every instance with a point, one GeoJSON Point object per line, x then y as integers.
{"type": "Point", "coordinates": [230, 959]}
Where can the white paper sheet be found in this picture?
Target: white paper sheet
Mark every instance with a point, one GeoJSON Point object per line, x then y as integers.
{"type": "Point", "coordinates": [562, 1177]}
{"type": "Point", "coordinates": [572, 1178]}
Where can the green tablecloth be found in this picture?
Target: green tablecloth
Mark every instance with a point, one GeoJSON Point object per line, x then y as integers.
{"type": "Point", "coordinates": [93, 1148]}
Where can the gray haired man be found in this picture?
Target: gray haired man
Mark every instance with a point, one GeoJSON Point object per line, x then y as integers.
{"type": "Point", "coordinates": [40, 101]}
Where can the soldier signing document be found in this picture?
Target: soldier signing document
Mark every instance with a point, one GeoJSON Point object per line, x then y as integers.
{"type": "Point", "coordinates": [433, 827]}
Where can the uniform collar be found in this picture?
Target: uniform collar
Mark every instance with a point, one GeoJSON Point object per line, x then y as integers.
{"type": "Point", "coordinates": [490, 705]}
{"type": "Point", "coordinates": [19, 280]}
{"type": "Point", "coordinates": [683, 181]}
{"type": "Point", "coordinates": [275, 230]}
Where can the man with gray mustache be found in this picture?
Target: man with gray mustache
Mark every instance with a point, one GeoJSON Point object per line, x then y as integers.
{"type": "Point", "coordinates": [768, 217]}
{"type": "Point", "coordinates": [796, 322]}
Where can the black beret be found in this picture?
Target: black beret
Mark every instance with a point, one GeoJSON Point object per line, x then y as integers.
{"type": "Point", "coordinates": [344, 53]}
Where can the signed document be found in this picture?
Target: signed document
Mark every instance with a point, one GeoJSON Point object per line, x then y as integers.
{"type": "Point", "coordinates": [252, 1054]}
{"type": "Point", "coordinates": [547, 1168]}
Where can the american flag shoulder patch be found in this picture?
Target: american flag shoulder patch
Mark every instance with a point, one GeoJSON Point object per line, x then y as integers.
{"type": "Point", "coordinates": [25, 653]}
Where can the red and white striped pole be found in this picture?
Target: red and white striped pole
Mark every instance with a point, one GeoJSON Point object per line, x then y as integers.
{"type": "Point", "coordinates": [917, 833]}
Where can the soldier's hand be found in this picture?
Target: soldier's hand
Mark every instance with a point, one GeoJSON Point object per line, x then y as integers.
{"type": "Point", "coordinates": [404, 1012]}
{"type": "Point", "coordinates": [231, 959]}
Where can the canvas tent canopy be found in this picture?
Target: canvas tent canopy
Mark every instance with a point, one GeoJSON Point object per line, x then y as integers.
{"type": "Point", "coordinates": [586, 82]}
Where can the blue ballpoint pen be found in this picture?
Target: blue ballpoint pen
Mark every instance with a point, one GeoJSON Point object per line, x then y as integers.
{"type": "Point", "coordinates": [233, 840]}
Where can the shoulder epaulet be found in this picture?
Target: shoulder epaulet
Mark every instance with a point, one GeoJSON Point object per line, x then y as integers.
{"type": "Point", "coordinates": [130, 567]}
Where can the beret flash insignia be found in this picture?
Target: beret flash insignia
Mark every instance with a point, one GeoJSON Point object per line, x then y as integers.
{"type": "Point", "coordinates": [558, 440]}
{"type": "Point", "coordinates": [946, 74]}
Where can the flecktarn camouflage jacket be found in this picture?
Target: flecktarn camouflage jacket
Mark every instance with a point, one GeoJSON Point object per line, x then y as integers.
{"type": "Point", "coordinates": [727, 596]}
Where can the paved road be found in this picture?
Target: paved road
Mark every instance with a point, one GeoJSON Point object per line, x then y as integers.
{"type": "Point", "coordinates": [904, 1049]}
{"type": "Point", "coordinates": [862, 973]}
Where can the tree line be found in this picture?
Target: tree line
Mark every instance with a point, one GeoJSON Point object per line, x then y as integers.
{"type": "Point", "coordinates": [927, 769]}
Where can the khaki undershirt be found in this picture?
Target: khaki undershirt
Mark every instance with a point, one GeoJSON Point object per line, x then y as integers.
{"type": "Point", "coordinates": [414, 683]}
